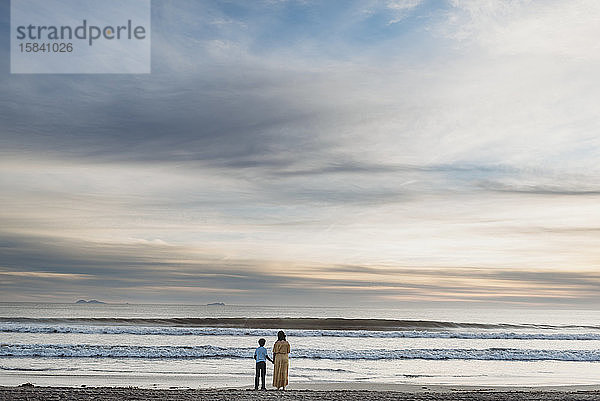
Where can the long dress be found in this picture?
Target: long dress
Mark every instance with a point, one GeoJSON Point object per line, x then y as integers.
{"type": "Point", "coordinates": [281, 349]}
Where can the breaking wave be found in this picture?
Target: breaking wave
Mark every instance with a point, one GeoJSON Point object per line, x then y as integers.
{"type": "Point", "coordinates": [221, 331]}
{"type": "Point", "coordinates": [208, 351]}
{"type": "Point", "coordinates": [287, 323]}
{"type": "Point", "coordinates": [339, 324]}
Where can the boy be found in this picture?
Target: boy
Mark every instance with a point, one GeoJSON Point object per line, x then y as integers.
{"type": "Point", "coordinates": [261, 364]}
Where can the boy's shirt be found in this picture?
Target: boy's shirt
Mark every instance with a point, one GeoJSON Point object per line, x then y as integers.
{"type": "Point", "coordinates": [261, 354]}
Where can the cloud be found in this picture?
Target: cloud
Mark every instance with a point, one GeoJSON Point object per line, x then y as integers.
{"type": "Point", "coordinates": [402, 8]}
{"type": "Point", "coordinates": [43, 275]}
{"type": "Point", "coordinates": [146, 271]}
{"type": "Point", "coordinates": [561, 29]}
{"type": "Point", "coordinates": [271, 136]}
{"type": "Point", "coordinates": [542, 189]}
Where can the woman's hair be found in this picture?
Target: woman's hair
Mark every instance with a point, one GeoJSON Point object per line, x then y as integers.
{"type": "Point", "coordinates": [280, 335]}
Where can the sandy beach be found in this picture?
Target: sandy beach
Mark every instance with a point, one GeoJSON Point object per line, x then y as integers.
{"type": "Point", "coordinates": [133, 393]}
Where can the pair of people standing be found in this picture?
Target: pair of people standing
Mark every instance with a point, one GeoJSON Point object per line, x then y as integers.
{"type": "Point", "coordinates": [281, 349]}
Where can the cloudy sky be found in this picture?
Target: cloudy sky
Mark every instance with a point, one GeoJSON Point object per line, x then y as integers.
{"type": "Point", "coordinates": [319, 153]}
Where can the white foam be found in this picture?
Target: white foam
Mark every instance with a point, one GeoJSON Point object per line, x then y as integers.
{"type": "Point", "coordinates": [208, 331]}
{"type": "Point", "coordinates": [207, 351]}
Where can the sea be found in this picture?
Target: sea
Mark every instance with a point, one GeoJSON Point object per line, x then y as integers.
{"type": "Point", "coordinates": [206, 346]}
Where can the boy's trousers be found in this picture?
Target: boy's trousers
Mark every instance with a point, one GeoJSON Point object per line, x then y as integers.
{"type": "Point", "coordinates": [261, 371]}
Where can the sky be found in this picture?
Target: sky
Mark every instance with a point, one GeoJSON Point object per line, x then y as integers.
{"type": "Point", "coordinates": [343, 153]}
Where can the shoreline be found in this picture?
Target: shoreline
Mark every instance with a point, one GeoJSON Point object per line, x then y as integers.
{"type": "Point", "coordinates": [324, 391]}
{"type": "Point", "coordinates": [437, 388]}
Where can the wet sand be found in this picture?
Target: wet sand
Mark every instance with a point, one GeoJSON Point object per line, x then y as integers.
{"type": "Point", "coordinates": [28, 393]}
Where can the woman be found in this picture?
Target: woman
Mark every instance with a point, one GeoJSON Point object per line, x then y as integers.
{"type": "Point", "coordinates": [281, 349]}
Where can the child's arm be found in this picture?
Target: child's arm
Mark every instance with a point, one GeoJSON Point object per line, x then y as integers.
{"type": "Point", "coordinates": [271, 360]}
{"type": "Point", "coordinates": [254, 354]}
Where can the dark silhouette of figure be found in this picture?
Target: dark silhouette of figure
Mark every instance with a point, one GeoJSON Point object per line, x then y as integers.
{"type": "Point", "coordinates": [281, 349]}
{"type": "Point", "coordinates": [261, 357]}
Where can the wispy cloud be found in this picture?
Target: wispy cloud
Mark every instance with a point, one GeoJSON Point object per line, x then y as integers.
{"type": "Point", "coordinates": [178, 274]}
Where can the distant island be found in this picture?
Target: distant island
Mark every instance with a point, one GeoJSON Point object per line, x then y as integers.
{"type": "Point", "coordinates": [91, 301]}
{"type": "Point", "coordinates": [216, 304]}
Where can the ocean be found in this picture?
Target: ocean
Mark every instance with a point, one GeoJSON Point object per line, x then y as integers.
{"type": "Point", "coordinates": [163, 346]}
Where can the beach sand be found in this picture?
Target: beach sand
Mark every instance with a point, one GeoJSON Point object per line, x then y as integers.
{"type": "Point", "coordinates": [327, 393]}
